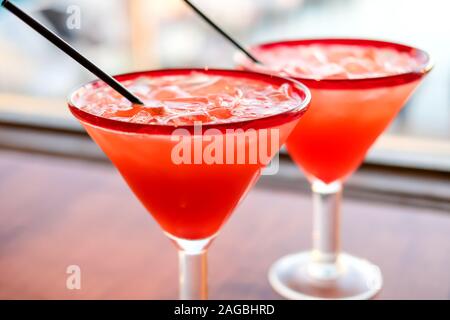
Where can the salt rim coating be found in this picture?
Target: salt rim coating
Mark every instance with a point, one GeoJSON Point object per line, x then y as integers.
{"type": "Point", "coordinates": [182, 99]}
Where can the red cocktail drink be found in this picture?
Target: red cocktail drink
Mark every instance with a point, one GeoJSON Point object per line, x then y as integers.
{"type": "Point", "coordinates": [196, 147]}
{"type": "Point", "coordinates": [357, 87]}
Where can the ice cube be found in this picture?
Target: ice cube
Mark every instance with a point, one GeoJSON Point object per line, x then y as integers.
{"type": "Point", "coordinates": [168, 92]}
{"type": "Point", "coordinates": [220, 113]}
{"type": "Point", "coordinates": [358, 66]}
{"type": "Point", "coordinates": [188, 118]}
{"type": "Point", "coordinates": [142, 117]}
{"type": "Point", "coordinates": [330, 71]}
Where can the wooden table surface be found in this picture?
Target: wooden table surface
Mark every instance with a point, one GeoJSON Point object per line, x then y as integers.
{"type": "Point", "coordinates": [56, 212]}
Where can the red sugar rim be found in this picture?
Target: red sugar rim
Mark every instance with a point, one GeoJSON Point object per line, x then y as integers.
{"type": "Point", "coordinates": [263, 122]}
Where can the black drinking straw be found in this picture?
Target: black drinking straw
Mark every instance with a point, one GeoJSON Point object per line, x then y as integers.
{"type": "Point", "coordinates": [223, 33]}
{"type": "Point", "coordinates": [69, 50]}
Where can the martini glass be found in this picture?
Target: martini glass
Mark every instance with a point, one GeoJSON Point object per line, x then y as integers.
{"type": "Point", "coordinates": [352, 105]}
{"type": "Point", "coordinates": [155, 147]}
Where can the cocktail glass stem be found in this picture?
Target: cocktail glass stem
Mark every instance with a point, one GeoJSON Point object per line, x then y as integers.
{"type": "Point", "coordinates": [193, 268]}
{"type": "Point", "coordinates": [325, 272]}
{"type": "Point", "coordinates": [193, 275]}
{"type": "Point", "coordinates": [326, 230]}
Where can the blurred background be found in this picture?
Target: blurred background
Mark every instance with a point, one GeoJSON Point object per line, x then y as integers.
{"type": "Point", "coordinates": [127, 35]}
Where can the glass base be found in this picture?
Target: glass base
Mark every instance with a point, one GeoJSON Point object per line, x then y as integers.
{"type": "Point", "coordinates": [297, 276]}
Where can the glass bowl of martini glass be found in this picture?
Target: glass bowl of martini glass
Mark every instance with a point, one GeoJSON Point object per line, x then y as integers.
{"type": "Point", "coordinates": [358, 86]}
{"type": "Point", "coordinates": [194, 149]}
